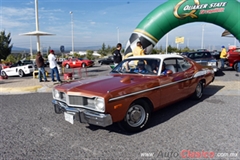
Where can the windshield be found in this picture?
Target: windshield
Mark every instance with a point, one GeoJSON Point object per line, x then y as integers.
{"type": "Point", "coordinates": [148, 66]}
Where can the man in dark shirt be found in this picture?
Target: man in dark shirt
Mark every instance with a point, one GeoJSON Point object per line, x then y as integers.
{"type": "Point", "coordinates": [40, 65]}
{"type": "Point", "coordinates": [117, 56]}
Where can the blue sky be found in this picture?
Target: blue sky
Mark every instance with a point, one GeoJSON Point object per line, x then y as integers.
{"type": "Point", "coordinates": [95, 22]}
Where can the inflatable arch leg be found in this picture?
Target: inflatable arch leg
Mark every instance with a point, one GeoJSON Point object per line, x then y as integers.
{"type": "Point", "coordinates": [174, 13]}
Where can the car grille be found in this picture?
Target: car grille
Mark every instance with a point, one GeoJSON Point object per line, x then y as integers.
{"type": "Point", "coordinates": [77, 100]}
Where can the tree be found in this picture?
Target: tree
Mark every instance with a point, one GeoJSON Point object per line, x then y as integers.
{"type": "Point", "coordinates": [186, 49]}
{"type": "Point", "coordinates": [76, 55]}
{"type": "Point", "coordinates": [89, 54]}
{"type": "Point", "coordinates": [5, 46]}
{"type": "Point", "coordinates": [102, 51]}
{"type": "Point", "coordinates": [11, 58]}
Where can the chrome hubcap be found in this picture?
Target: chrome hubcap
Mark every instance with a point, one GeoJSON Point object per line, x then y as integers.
{"type": "Point", "coordinates": [199, 90]}
{"type": "Point", "coordinates": [136, 115]}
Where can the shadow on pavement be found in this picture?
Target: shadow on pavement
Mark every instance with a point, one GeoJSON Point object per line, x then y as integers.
{"type": "Point", "coordinates": [166, 113]}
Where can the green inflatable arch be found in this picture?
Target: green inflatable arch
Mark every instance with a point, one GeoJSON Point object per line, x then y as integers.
{"type": "Point", "coordinates": [174, 13]}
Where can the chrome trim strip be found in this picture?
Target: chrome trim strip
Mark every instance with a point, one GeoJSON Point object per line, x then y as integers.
{"type": "Point", "coordinates": [146, 90]}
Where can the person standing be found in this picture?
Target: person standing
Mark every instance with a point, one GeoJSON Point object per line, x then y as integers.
{"type": "Point", "coordinates": [223, 56]}
{"type": "Point", "coordinates": [138, 51]}
{"type": "Point", "coordinates": [41, 69]}
{"type": "Point", "coordinates": [117, 56]}
{"type": "Point", "coordinates": [53, 66]}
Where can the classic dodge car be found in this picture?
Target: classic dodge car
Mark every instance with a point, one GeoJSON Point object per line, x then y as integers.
{"type": "Point", "coordinates": [133, 89]}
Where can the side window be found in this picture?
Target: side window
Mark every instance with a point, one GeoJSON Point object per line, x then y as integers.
{"type": "Point", "coordinates": [199, 55]}
{"type": "Point", "coordinates": [191, 55]}
{"type": "Point", "coordinates": [170, 64]}
{"type": "Point", "coordinates": [207, 55]}
{"type": "Point", "coordinates": [183, 64]}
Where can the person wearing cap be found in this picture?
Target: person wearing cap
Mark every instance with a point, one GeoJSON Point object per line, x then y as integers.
{"type": "Point", "coordinates": [53, 66]}
{"type": "Point", "coordinates": [223, 56]}
{"type": "Point", "coordinates": [140, 67]}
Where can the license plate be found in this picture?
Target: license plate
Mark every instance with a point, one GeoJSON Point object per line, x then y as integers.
{"type": "Point", "coordinates": [69, 117]}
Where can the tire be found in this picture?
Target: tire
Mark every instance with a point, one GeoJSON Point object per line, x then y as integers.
{"type": "Point", "coordinates": [67, 66]}
{"type": "Point", "coordinates": [235, 66]}
{"type": "Point", "coordinates": [21, 73]}
{"type": "Point", "coordinates": [83, 65]}
{"type": "Point", "coordinates": [57, 110]}
{"type": "Point", "coordinates": [198, 93]}
{"type": "Point", "coordinates": [101, 63]}
{"type": "Point", "coordinates": [4, 73]}
{"type": "Point", "coordinates": [137, 117]}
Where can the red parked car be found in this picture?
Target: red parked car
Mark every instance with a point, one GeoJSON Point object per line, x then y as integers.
{"type": "Point", "coordinates": [233, 58]}
{"type": "Point", "coordinates": [77, 62]}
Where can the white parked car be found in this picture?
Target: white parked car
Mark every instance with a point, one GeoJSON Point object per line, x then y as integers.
{"type": "Point", "coordinates": [19, 69]}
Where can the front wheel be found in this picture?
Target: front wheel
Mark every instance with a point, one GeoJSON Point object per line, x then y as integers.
{"type": "Point", "coordinates": [83, 65]}
{"type": "Point", "coordinates": [137, 117]}
{"type": "Point", "coordinates": [57, 109]}
{"type": "Point", "coordinates": [198, 91]}
{"type": "Point", "coordinates": [21, 73]}
{"type": "Point", "coordinates": [235, 66]}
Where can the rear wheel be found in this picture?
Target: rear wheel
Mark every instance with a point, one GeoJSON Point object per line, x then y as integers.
{"type": "Point", "coordinates": [20, 73]}
{"type": "Point", "coordinates": [198, 91]}
{"type": "Point", "coordinates": [83, 65]}
{"type": "Point", "coordinates": [235, 66]}
{"type": "Point", "coordinates": [4, 73]}
{"type": "Point", "coordinates": [137, 117]}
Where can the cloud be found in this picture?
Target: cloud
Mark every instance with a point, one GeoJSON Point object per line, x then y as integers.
{"type": "Point", "coordinates": [92, 23]}
{"type": "Point", "coordinates": [16, 17]}
{"type": "Point", "coordinates": [17, 12]}
{"type": "Point", "coordinates": [30, 3]}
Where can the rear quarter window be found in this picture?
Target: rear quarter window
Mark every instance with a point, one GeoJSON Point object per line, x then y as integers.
{"type": "Point", "coordinates": [183, 64]}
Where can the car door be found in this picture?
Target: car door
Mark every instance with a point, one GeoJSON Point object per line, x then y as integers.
{"type": "Point", "coordinates": [186, 71]}
{"type": "Point", "coordinates": [177, 85]}
{"type": "Point", "coordinates": [73, 62]}
{"type": "Point", "coordinates": [170, 88]}
{"type": "Point", "coordinates": [78, 62]}
{"type": "Point", "coordinates": [12, 71]}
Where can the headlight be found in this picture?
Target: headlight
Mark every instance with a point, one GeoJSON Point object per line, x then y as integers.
{"type": "Point", "coordinates": [212, 63]}
{"type": "Point", "coordinates": [99, 104]}
{"type": "Point", "coordinates": [59, 95]}
{"type": "Point", "coordinates": [56, 93]}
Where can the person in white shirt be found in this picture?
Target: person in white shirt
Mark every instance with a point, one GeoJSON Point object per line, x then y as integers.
{"type": "Point", "coordinates": [53, 66]}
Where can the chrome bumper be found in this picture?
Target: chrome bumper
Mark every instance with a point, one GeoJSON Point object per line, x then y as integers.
{"type": "Point", "coordinates": [84, 115]}
{"type": "Point", "coordinates": [215, 69]}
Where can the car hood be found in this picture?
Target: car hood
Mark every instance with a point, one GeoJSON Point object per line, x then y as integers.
{"type": "Point", "coordinates": [205, 59]}
{"type": "Point", "coordinates": [113, 85]}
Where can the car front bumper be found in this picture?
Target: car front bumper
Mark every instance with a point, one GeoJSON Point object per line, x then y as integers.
{"type": "Point", "coordinates": [83, 115]}
{"type": "Point", "coordinates": [215, 69]}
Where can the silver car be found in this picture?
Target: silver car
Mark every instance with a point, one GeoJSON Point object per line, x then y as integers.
{"type": "Point", "coordinates": [204, 58]}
